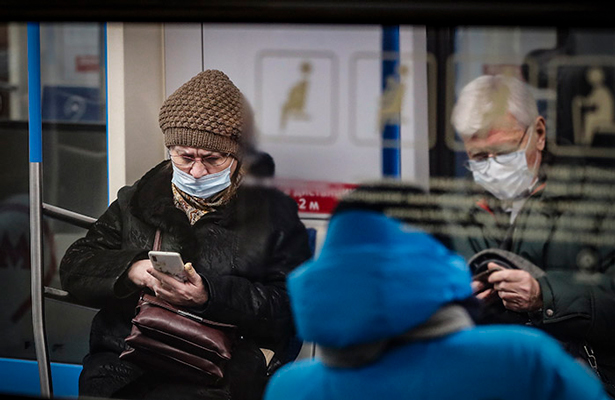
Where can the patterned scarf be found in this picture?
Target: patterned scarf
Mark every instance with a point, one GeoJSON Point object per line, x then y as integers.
{"type": "Point", "coordinates": [194, 207]}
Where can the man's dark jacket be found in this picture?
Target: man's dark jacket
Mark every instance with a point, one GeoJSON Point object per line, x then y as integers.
{"type": "Point", "coordinates": [243, 251]}
{"type": "Point", "coordinates": [567, 228]}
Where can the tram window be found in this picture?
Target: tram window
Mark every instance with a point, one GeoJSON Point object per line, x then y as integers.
{"type": "Point", "coordinates": [74, 174]}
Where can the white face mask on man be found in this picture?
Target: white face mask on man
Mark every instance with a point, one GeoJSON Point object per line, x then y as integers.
{"type": "Point", "coordinates": [205, 186]}
{"type": "Point", "coordinates": [508, 178]}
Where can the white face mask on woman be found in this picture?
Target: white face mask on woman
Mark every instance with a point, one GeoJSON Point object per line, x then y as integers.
{"type": "Point", "coordinates": [205, 186]}
{"type": "Point", "coordinates": [508, 178]}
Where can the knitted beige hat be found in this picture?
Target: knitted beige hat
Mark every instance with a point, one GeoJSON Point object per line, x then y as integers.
{"type": "Point", "coordinates": [205, 112]}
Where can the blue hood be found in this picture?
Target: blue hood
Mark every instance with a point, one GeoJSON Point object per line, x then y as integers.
{"type": "Point", "coordinates": [374, 278]}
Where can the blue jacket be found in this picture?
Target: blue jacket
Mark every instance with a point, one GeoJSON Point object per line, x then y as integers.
{"type": "Point", "coordinates": [377, 278]}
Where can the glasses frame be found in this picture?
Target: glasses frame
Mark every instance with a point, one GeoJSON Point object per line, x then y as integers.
{"type": "Point", "coordinates": [483, 164]}
{"type": "Point", "coordinates": [202, 160]}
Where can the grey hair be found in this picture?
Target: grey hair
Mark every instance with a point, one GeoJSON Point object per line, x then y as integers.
{"type": "Point", "coordinates": [489, 97]}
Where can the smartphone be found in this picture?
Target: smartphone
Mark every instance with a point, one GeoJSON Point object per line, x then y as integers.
{"type": "Point", "coordinates": [484, 276]}
{"type": "Point", "coordinates": [168, 262]}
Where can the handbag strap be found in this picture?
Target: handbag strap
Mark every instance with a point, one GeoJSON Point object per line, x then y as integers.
{"type": "Point", "coordinates": [157, 240]}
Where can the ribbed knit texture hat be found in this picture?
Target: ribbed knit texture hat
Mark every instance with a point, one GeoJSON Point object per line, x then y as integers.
{"type": "Point", "coordinates": [205, 112]}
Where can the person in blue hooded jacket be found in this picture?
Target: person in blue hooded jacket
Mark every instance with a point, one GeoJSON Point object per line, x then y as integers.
{"type": "Point", "coordinates": [386, 304]}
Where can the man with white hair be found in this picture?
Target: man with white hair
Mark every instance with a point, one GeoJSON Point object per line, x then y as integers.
{"type": "Point", "coordinates": [546, 255]}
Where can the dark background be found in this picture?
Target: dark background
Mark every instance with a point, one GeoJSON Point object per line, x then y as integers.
{"type": "Point", "coordinates": [426, 12]}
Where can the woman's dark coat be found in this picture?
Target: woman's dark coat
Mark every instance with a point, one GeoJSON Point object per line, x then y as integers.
{"type": "Point", "coordinates": [243, 251]}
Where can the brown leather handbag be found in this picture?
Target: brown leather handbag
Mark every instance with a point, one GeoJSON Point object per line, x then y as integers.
{"type": "Point", "coordinates": [175, 342]}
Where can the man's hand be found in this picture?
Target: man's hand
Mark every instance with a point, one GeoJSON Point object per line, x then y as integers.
{"type": "Point", "coordinates": [190, 293]}
{"type": "Point", "coordinates": [518, 290]}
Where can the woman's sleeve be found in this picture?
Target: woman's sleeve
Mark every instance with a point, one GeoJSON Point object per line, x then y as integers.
{"type": "Point", "coordinates": [93, 269]}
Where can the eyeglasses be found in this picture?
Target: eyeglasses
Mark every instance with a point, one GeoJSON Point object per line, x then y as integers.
{"type": "Point", "coordinates": [212, 161]}
{"type": "Point", "coordinates": [481, 164]}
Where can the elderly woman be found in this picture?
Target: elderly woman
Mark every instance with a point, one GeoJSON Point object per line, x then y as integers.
{"type": "Point", "coordinates": [241, 241]}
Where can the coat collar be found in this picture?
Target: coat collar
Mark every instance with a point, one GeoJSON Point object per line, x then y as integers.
{"type": "Point", "coordinates": [152, 201]}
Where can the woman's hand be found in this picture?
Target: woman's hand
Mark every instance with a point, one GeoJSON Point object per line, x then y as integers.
{"type": "Point", "coordinates": [190, 293]}
{"type": "Point", "coordinates": [138, 274]}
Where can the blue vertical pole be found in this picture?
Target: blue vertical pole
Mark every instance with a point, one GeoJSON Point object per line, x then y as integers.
{"type": "Point", "coordinates": [106, 77]}
{"type": "Point", "coordinates": [36, 238]}
{"type": "Point", "coordinates": [391, 154]}
{"type": "Point", "coordinates": [34, 93]}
